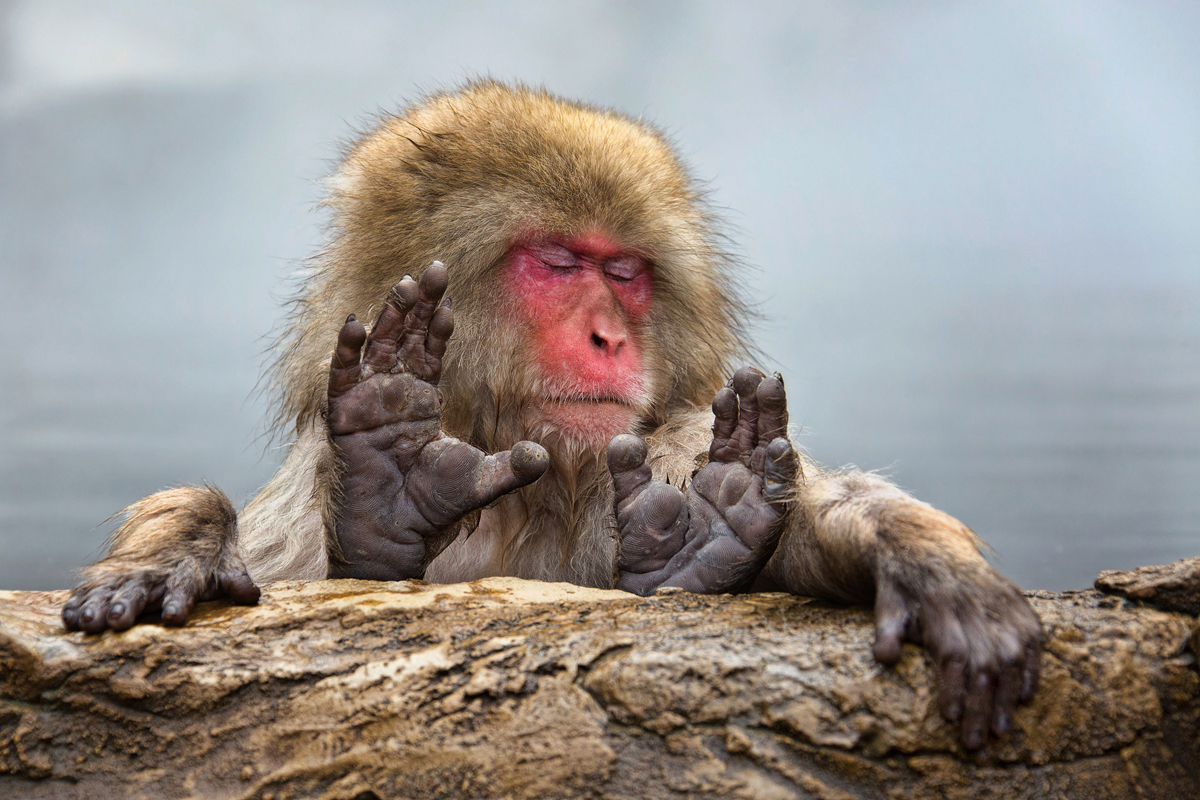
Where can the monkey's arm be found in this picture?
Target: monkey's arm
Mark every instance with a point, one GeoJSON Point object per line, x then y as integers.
{"type": "Point", "coordinates": [175, 547]}
{"type": "Point", "coordinates": [857, 538]}
{"type": "Point", "coordinates": [851, 537]}
{"type": "Point", "coordinates": [406, 485]}
{"type": "Point", "coordinates": [715, 535]}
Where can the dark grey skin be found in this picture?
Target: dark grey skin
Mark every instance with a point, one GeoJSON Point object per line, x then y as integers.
{"type": "Point", "coordinates": [979, 688]}
{"type": "Point", "coordinates": [406, 485]}
{"type": "Point", "coordinates": [718, 533]}
{"type": "Point", "coordinates": [407, 488]}
{"type": "Point", "coordinates": [133, 581]}
{"type": "Point", "coordinates": [172, 596]}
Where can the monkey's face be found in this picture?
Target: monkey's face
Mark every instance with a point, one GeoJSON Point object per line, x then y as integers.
{"type": "Point", "coordinates": [582, 302]}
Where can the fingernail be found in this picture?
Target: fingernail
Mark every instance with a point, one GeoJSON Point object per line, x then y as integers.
{"type": "Point", "coordinates": [350, 319]}
{"type": "Point", "coordinates": [170, 610]}
{"type": "Point", "coordinates": [116, 610]}
{"type": "Point", "coordinates": [1002, 723]}
{"type": "Point", "coordinates": [446, 303]}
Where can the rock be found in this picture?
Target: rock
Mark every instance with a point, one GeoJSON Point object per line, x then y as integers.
{"type": "Point", "coordinates": [508, 688]}
{"type": "Point", "coordinates": [1172, 587]}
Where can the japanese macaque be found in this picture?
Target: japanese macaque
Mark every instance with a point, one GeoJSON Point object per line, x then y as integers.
{"type": "Point", "coordinates": [573, 414]}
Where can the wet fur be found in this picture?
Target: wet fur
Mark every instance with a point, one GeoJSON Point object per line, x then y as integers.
{"type": "Point", "coordinates": [197, 521]}
{"type": "Point", "coordinates": [461, 177]}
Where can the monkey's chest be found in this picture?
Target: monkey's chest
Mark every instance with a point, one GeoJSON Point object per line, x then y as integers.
{"type": "Point", "coordinates": [583, 555]}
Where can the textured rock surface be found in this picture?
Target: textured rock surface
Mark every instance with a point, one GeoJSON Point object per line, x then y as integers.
{"type": "Point", "coordinates": [1172, 587]}
{"type": "Point", "coordinates": [506, 688]}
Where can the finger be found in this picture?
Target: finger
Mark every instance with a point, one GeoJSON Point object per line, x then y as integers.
{"type": "Point", "coordinates": [658, 507]}
{"type": "Point", "coordinates": [781, 471]}
{"type": "Point", "coordinates": [951, 688]}
{"type": "Point", "coordinates": [235, 582]}
{"type": "Point", "coordinates": [891, 618]}
{"type": "Point", "coordinates": [416, 321]}
{"type": "Point", "coordinates": [127, 603]}
{"type": "Point", "coordinates": [238, 587]}
{"type": "Point", "coordinates": [977, 707]}
{"type": "Point", "coordinates": [1008, 693]}
{"type": "Point", "coordinates": [503, 472]}
{"type": "Point", "coordinates": [385, 334]}
{"type": "Point", "coordinates": [1030, 670]}
{"type": "Point", "coordinates": [440, 328]}
{"type": "Point", "coordinates": [626, 458]}
{"type": "Point", "coordinates": [406, 292]}
{"type": "Point", "coordinates": [725, 411]}
{"type": "Point", "coordinates": [745, 437]}
{"type": "Point", "coordinates": [429, 295]}
{"type": "Point", "coordinates": [625, 453]}
{"type": "Point", "coordinates": [772, 415]}
{"type": "Point", "coordinates": [944, 634]}
{"type": "Point", "coordinates": [93, 616]}
{"type": "Point", "coordinates": [71, 609]}
{"type": "Point", "coordinates": [183, 587]}
{"type": "Point", "coordinates": [345, 368]}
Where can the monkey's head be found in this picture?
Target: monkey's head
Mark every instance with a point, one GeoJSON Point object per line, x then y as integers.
{"type": "Point", "coordinates": [590, 291]}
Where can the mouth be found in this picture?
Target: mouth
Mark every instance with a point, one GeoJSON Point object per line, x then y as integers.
{"type": "Point", "coordinates": [594, 420]}
{"type": "Point", "coordinates": [629, 393]}
{"type": "Point", "coordinates": [592, 397]}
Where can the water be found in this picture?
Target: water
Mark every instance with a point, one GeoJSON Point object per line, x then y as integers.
{"type": "Point", "coordinates": [974, 236]}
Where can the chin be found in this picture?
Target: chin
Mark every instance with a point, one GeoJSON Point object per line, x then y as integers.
{"type": "Point", "coordinates": [590, 422]}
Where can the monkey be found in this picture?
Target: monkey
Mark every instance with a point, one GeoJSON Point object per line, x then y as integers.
{"type": "Point", "coordinates": [545, 392]}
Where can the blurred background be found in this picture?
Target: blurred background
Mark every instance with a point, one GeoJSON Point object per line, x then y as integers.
{"type": "Point", "coordinates": [973, 228]}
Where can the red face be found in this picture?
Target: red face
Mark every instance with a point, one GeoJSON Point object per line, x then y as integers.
{"type": "Point", "coordinates": [582, 300]}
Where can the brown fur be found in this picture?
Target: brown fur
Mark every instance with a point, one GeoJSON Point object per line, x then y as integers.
{"type": "Point", "coordinates": [463, 177]}
{"type": "Point", "coordinates": [198, 521]}
{"type": "Point", "coordinates": [460, 177]}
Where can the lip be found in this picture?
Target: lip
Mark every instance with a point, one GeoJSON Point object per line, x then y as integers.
{"type": "Point", "coordinates": [594, 420]}
{"type": "Point", "coordinates": [598, 398]}
{"type": "Point", "coordinates": [628, 393]}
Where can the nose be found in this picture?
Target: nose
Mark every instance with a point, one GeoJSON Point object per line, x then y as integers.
{"type": "Point", "coordinates": [608, 333]}
{"type": "Point", "coordinates": [602, 321]}
{"type": "Point", "coordinates": [608, 339]}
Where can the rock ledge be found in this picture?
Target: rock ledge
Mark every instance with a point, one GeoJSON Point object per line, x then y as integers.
{"type": "Point", "coordinates": [508, 688]}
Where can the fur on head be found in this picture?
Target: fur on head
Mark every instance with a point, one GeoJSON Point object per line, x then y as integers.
{"type": "Point", "coordinates": [461, 177]}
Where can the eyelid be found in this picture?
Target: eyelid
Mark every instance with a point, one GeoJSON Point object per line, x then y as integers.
{"type": "Point", "coordinates": [625, 268]}
{"type": "Point", "coordinates": [553, 255]}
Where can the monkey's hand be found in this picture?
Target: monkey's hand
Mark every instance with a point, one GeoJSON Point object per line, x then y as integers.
{"type": "Point", "coordinates": [175, 548]}
{"type": "Point", "coordinates": [717, 535]}
{"type": "Point", "coordinates": [938, 591]}
{"type": "Point", "coordinates": [857, 538]}
{"type": "Point", "coordinates": [405, 484]}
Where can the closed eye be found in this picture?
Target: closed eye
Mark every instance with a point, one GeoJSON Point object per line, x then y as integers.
{"type": "Point", "coordinates": [553, 255]}
{"type": "Point", "coordinates": [625, 268]}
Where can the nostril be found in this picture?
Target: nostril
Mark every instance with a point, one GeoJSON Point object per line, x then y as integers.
{"type": "Point", "coordinates": [598, 341]}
